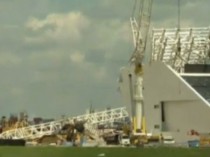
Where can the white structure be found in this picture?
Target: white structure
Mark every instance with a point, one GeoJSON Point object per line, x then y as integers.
{"type": "Point", "coordinates": [37, 131]}
{"type": "Point", "coordinates": [179, 47]}
{"type": "Point", "coordinates": [175, 102]}
{"type": "Point", "coordinates": [172, 104]}
{"type": "Point", "coordinates": [140, 29]}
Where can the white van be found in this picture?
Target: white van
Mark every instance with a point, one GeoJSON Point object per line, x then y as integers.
{"type": "Point", "coordinates": [124, 140]}
{"type": "Point", "coordinates": [168, 140]}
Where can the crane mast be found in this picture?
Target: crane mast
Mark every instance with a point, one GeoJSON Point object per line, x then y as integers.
{"type": "Point", "coordinates": [140, 30]}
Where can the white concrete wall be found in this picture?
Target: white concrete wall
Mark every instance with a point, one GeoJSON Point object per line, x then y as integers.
{"type": "Point", "coordinates": [184, 108]}
{"type": "Point", "coordinates": [124, 86]}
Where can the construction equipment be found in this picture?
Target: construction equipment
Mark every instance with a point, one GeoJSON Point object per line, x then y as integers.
{"type": "Point", "coordinates": [91, 121]}
{"type": "Point", "coordinates": [124, 140]}
{"type": "Point", "coordinates": [140, 29]}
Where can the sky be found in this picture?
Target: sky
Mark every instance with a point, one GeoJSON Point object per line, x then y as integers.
{"type": "Point", "coordinates": [57, 57]}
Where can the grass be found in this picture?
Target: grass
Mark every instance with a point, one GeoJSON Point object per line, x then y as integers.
{"type": "Point", "coordinates": [108, 152]}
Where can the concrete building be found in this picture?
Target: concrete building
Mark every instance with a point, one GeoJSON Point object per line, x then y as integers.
{"type": "Point", "coordinates": [176, 83]}
{"type": "Point", "coordinates": [174, 104]}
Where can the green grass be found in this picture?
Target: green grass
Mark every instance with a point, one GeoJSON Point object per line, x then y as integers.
{"type": "Point", "coordinates": [94, 152]}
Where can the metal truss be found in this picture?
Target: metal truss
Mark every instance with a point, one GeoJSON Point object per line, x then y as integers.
{"type": "Point", "coordinates": [37, 131]}
{"type": "Point", "coordinates": [177, 47]}
{"type": "Point", "coordinates": [140, 29]}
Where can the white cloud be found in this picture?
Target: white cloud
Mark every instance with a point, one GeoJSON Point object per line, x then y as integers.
{"type": "Point", "coordinates": [100, 36]}
{"type": "Point", "coordinates": [100, 73]}
{"type": "Point", "coordinates": [172, 23]}
{"type": "Point", "coordinates": [110, 36]}
{"type": "Point", "coordinates": [75, 50]}
{"type": "Point", "coordinates": [35, 24]}
{"type": "Point", "coordinates": [9, 59]}
{"type": "Point", "coordinates": [77, 57]}
{"type": "Point", "coordinates": [58, 27]}
{"type": "Point", "coordinates": [53, 55]}
{"type": "Point", "coordinates": [17, 91]}
{"type": "Point", "coordinates": [88, 69]}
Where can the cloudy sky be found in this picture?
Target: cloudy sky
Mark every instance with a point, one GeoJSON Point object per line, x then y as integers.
{"type": "Point", "coordinates": [59, 56]}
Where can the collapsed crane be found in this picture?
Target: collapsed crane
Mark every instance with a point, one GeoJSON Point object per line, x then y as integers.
{"type": "Point", "coordinates": [140, 30]}
{"type": "Point", "coordinates": [54, 127]}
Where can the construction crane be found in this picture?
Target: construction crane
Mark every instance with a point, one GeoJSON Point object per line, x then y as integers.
{"type": "Point", "coordinates": [140, 29]}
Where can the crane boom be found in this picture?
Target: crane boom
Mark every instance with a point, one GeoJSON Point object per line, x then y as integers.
{"type": "Point", "coordinates": [140, 29]}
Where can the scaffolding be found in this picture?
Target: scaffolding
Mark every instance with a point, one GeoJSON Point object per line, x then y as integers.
{"type": "Point", "coordinates": [177, 47]}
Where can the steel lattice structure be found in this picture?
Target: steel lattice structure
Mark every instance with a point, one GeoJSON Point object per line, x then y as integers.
{"type": "Point", "coordinates": [37, 131]}
{"type": "Point", "coordinates": [140, 29]}
{"type": "Point", "coordinates": [177, 47]}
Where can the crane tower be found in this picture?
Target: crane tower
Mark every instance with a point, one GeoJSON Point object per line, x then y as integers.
{"type": "Point", "coordinates": [140, 29]}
